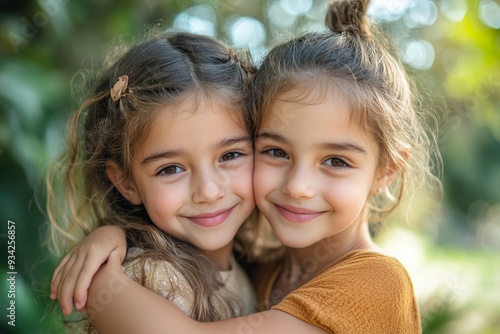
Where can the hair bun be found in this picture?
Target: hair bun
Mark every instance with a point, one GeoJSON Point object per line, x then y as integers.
{"type": "Point", "coordinates": [349, 16]}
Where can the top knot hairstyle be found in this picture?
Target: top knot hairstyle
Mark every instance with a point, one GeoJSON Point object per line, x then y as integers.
{"type": "Point", "coordinates": [350, 61]}
{"type": "Point", "coordinates": [350, 17]}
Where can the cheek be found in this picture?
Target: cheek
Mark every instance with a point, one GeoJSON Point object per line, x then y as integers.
{"type": "Point", "coordinates": [266, 178]}
{"type": "Point", "coordinates": [241, 181]}
{"type": "Point", "coordinates": [349, 194]}
{"type": "Point", "coordinates": [163, 201]}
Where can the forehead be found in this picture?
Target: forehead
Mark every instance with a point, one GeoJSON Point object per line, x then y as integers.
{"type": "Point", "coordinates": [196, 118]}
{"type": "Point", "coordinates": [193, 107]}
{"type": "Point", "coordinates": [306, 118]}
{"type": "Point", "coordinates": [204, 112]}
{"type": "Point", "coordinates": [301, 108]}
{"type": "Point", "coordinates": [308, 92]}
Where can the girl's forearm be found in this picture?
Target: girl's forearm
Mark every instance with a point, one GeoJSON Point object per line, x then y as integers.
{"type": "Point", "coordinates": [118, 304]}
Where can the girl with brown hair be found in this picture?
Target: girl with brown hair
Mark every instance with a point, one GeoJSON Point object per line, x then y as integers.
{"type": "Point", "coordinates": [162, 149]}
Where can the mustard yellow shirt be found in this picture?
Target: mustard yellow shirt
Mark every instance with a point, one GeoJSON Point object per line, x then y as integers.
{"type": "Point", "coordinates": [365, 292]}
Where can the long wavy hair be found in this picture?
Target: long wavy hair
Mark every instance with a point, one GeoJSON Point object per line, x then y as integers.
{"type": "Point", "coordinates": [160, 70]}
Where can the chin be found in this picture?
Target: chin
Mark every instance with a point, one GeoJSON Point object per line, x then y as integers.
{"type": "Point", "coordinates": [293, 240]}
{"type": "Point", "coordinates": [215, 247]}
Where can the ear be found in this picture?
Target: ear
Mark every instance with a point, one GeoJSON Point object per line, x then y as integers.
{"type": "Point", "coordinates": [388, 173]}
{"type": "Point", "coordinates": [383, 180]}
{"type": "Point", "coordinates": [125, 185]}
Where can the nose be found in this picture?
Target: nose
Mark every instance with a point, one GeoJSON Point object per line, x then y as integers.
{"type": "Point", "coordinates": [208, 186]}
{"type": "Point", "coordinates": [298, 182]}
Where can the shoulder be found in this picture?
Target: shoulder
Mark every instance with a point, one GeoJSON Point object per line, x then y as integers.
{"type": "Point", "coordinates": [366, 289]}
{"type": "Point", "coordinates": [369, 276]}
{"type": "Point", "coordinates": [360, 267]}
{"type": "Point", "coordinates": [139, 265]}
{"type": "Point", "coordinates": [138, 257]}
{"type": "Point", "coordinates": [159, 276]}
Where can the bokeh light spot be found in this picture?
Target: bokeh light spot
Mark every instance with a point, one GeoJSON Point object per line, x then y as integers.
{"type": "Point", "coordinates": [421, 13]}
{"type": "Point", "coordinates": [419, 54]}
{"type": "Point", "coordinates": [199, 19]}
{"type": "Point", "coordinates": [388, 10]}
{"type": "Point", "coordinates": [247, 31]}
{"type": "Point", "coordinates": [296, 7]}
{"type": "Point", "coordinates": [454, 10]}
{"type": "Point", "coordinates": [489, 12]}
{"type": "Point", "coordinates": [279, 17]}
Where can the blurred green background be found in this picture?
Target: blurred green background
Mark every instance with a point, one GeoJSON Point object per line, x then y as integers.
{"type": "Point", "coordinates": [450, 47]}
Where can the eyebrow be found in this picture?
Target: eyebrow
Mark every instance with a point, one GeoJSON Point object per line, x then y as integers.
{"type": "Point", "coordinates": [175, 153]}
{"type": "Point", "coordinates": [163, 155]}
{"type": "Point", "coordinates": [232, 140]}
{"type": "Point", "coordinates": [340, 146]}
{"type": "Point", "coordinates": [273, 136]}
{"type": "Point", "coordinates": [343, 146]}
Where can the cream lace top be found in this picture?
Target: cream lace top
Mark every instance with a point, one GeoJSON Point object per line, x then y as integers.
{"type": "Point", "coordinates": [169, 283]}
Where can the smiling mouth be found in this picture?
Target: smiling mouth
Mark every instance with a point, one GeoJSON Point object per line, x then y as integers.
{"type": "Point", "coordinates": [211, 219]}
{"type": "Point", "coordinates": [297, 215]}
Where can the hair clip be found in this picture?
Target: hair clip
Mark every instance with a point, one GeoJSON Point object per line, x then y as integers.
{"type": "Point", "coordinates": [120, 88]}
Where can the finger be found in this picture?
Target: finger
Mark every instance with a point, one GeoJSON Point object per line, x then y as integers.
{"type": "Point", "coordinates": [59, 278]}
{"type": "Point", "coordinates": [59, 266]}
{"type": "Point", "coordinates": [92, 263]}
{"type": "Point", "coordinates": [115, 261]}
{"type": "Point", "coordinates": [56, 277]}
{"type": "Point", "coordinates": [67, 284]}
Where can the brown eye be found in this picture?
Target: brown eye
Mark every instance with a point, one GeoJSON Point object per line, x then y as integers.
{"type": "Point", "coordinates": [336, 162]}
{"type": "Point", "coordinates": [277, 153]}
{"type": "Point", "coordinates": [229, 156]}
{"type": "Point", "coordinates": [171, 170]}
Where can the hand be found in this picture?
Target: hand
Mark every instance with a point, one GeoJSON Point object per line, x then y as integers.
{"type": "Point", "coordinates": [73, 275]}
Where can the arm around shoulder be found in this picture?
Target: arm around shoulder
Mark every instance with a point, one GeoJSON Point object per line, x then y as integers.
{"type": "Point", "coordinates": [118, 304]}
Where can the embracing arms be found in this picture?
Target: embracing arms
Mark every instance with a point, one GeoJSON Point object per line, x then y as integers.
{"type": "Point", "coordinates": [117, 304]}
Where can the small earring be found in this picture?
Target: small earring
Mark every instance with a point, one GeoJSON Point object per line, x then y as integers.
{"type": "Point", "coordinates": [379, 190]}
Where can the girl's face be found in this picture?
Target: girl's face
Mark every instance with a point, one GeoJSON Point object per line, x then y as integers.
{"type": "Point", "coordinates": [193, 174]}
{"type": "Point", "coordinates": [314, 170]}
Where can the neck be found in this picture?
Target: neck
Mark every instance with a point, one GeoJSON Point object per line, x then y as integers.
{"type": "Point", "coordinates": [310, 261]}
{"type": "Point", "coordinates": [303, 264]}
{"type": "Point", "coordinates": [221, 256]}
